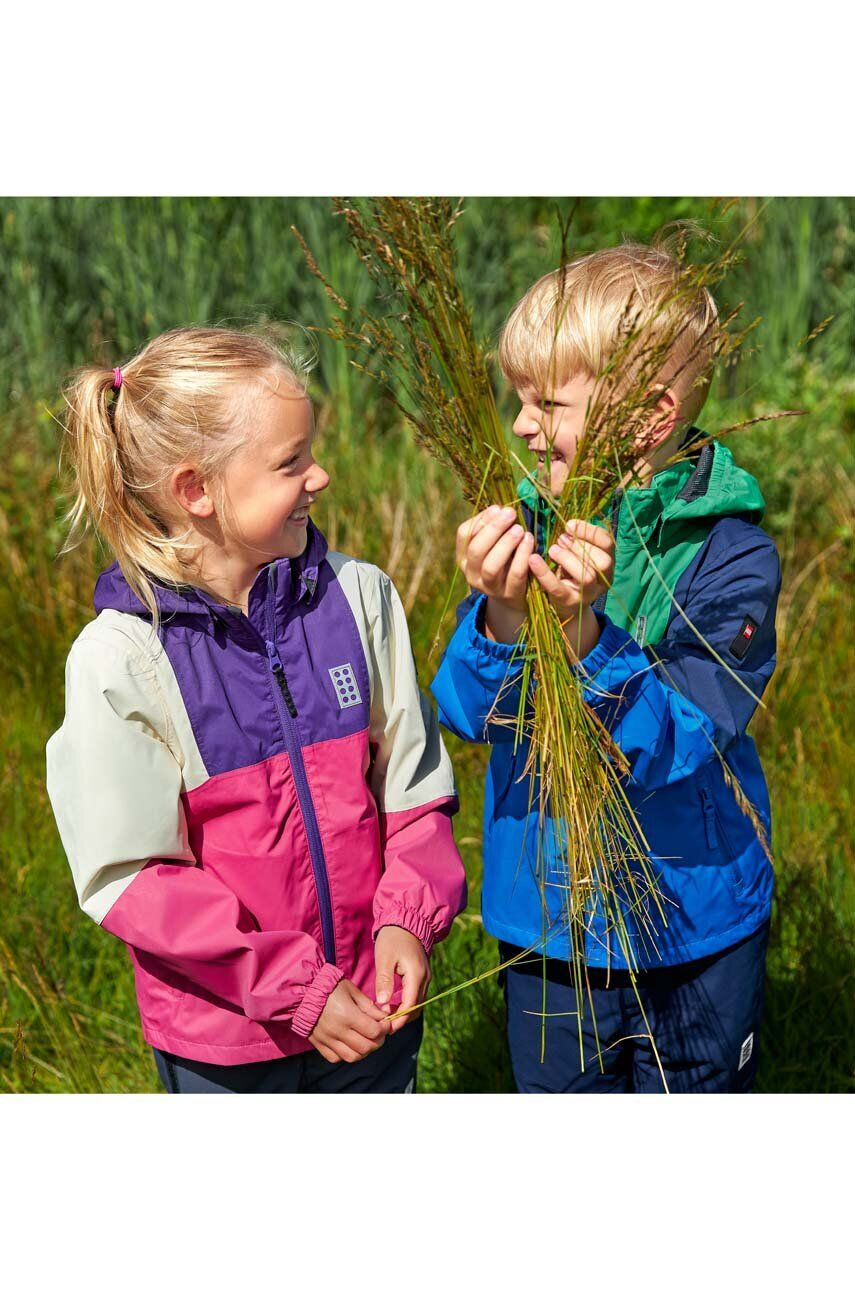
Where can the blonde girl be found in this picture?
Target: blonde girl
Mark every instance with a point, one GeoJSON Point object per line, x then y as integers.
{"type": "Point", "coordinates": [250, 788]}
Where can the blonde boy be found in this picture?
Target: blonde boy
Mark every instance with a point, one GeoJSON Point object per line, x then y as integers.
{"type": "Point", "coordinates": [687, 546]}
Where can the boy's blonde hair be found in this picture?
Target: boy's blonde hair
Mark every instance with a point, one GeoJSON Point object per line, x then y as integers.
{"type": "Point", "coordinates": [178, 400]}
{"type": "Point", "coordinates": [573, 321]}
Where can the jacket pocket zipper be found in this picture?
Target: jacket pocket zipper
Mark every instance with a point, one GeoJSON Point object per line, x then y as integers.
{"type": "Point", "coordinates": [709, 820]}
{"type": "Point", "coordinates": [717, 836]}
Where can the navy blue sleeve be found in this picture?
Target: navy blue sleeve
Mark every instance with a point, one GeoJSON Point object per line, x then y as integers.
{"type": "Point", "coordinates": [670, 706]}
{"type": "Point", "coordinates": [731, 595]}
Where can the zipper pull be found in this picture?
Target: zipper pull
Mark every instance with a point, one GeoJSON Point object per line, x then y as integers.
{"type": "Point", "coordinates": [273, 657]}
{"type": "Point", "coordinates": [282, 681]}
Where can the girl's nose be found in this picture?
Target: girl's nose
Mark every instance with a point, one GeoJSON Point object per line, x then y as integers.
{"type": "Point", "coordinates": [317, 479]}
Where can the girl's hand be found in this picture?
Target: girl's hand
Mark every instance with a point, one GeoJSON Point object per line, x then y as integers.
{"type": "Point", "coordinates": [493, 552]}
{"type": "Point", "coordinates": [396, 950]}
{"type": "Point", "coordinates": [350, 1026]}
{"type": "Point", "coordinates": [585, 555]}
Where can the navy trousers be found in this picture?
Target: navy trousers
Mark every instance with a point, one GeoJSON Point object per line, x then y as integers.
{"type": "Point", "coordinates": [704, 1017]}
{"type": "Point", "coordinates": [391, 1069]}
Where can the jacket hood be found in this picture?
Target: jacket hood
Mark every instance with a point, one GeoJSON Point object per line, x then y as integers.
{"type": "Point", "coordinates": [295, 578]}
{"type": "Point", "coordinates": [710, 485]}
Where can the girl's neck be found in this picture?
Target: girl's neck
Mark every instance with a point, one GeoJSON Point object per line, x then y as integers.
{"type": "Point", "coordinates": [225, 577]}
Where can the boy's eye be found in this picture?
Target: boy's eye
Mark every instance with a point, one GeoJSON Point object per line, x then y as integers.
{"type": "Point", "coordinates": [292, 461]}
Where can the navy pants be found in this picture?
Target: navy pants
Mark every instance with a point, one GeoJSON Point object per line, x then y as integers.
{"type": "Point", "coordinates": [704, 1017]}
{"type": "Point", "coordinates": [391, 1069]}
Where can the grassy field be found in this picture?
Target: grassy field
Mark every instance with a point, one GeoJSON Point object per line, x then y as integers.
{"type": "Point", "coordinates": [86, 278]}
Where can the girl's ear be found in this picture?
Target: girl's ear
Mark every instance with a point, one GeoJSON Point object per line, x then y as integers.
{"type": "Point", "coordinates": [189, 489]}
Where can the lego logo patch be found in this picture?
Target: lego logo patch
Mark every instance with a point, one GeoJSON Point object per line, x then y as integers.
{"type": "Point", "coordinates": [346, 688]}
{"type": "Point", "coordinates": [743, 638]}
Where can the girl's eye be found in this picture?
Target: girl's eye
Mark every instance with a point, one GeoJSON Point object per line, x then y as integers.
{"type": "Point", "coordinates": [292, 461]}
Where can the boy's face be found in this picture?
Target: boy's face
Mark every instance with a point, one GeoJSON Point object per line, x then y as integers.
{"type": "Point", "coordinates": [551, 422]}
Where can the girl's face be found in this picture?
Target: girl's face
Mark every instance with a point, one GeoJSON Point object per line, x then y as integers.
{"type": "Point", "coordinates": [272, 480]}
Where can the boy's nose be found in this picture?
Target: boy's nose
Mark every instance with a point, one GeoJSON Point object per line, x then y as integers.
{"type": "Point", "coordinates": [525, 426]}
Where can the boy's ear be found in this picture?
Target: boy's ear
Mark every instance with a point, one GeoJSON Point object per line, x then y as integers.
{"type": "Point", "coordinates": [189, 490]}
{"type": "Point", "coordinates": [663, 419]}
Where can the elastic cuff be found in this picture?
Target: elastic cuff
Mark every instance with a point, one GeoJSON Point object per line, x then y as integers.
{"type": "Point", "coordinates": [314, 1000]}
{"type": "Point", "coordinates": [418, 924]}
{"type": "Point", "coordinates": [612, 640]}
{"type": "Point", "coordinates": [480, 641]}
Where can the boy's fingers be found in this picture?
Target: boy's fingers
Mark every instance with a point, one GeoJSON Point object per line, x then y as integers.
{"type": "Point", "coordinates": [547, 579]}
{"type": "Point", "coordinates": [475, 522]}
{"type": "Point", "coordinates": [470, 528]}
{"type": "Point", "coordinates": [570, 565]}
{"type": "Point", "coordinates": [518, 572]}
{"type": "Point", "coordinates": [497, 560]}
{"type": "Point", "coordinates": [595, 559]}
{"type": "Point", "coordinates": [590, 533]}
{"type": "Point", "coordinates": [486, 538]}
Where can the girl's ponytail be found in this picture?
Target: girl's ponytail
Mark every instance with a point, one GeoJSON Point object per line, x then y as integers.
{"type": "Point", "coordinates": [106, 499]}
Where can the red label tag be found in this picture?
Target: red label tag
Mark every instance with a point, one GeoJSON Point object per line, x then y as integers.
{"type": "Point", "coordinates": [741, 642]}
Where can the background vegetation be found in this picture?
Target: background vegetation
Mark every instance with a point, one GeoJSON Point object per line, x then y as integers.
{"type": "Point", "coordinates": [85, 279]}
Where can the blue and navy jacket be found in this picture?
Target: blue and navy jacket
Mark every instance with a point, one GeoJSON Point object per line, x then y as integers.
{"type": "Point", "coordinates": [674, 695]}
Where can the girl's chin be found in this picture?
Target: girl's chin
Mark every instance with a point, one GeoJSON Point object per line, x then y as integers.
{"type": "Point", "coordinates": [293, 542]}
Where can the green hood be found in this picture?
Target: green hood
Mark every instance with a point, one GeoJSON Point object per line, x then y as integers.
{"type": "Point", "coordinates": [711, 485]}
{"type": "Point", "coordinates": [660, 529]}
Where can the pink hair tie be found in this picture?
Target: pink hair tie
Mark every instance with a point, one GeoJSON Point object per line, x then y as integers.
{"type": "Point", "coordinates": [117, 378]}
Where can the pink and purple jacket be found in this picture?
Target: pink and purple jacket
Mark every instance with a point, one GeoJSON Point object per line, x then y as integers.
{"type": "Point", "coordinates": [245, 800]}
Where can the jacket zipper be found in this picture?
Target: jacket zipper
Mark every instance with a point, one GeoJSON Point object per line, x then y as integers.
{"type": "Point", "coordinates": [287, 713]}
{"type": "Point", "coordinates": [616, 503]}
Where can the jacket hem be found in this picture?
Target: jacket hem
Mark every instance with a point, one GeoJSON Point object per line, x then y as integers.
{"type": "Point", "coordinates": [672, 956]}
{"type": "Point", "coordinates": [263, 1050]}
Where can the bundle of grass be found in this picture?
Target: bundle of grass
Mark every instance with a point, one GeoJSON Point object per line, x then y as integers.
{"type": "Point", "coordinates": [424, 353]}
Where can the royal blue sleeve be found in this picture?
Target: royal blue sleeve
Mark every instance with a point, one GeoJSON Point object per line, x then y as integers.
{"type": "Point", "coordinates": [477, 678]}
{"type": "Point", "coordinates": [670, 707]}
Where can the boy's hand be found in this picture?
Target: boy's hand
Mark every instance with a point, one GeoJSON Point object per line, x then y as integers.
{"type": "Point", "coordinates": [396, 950]}
{"type": "Point", "coordinates": [493, 553]}
{"type": "Point", "coordinates": [350, 1026]}
{"type": "Point", "coordinates": [585, 555]}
